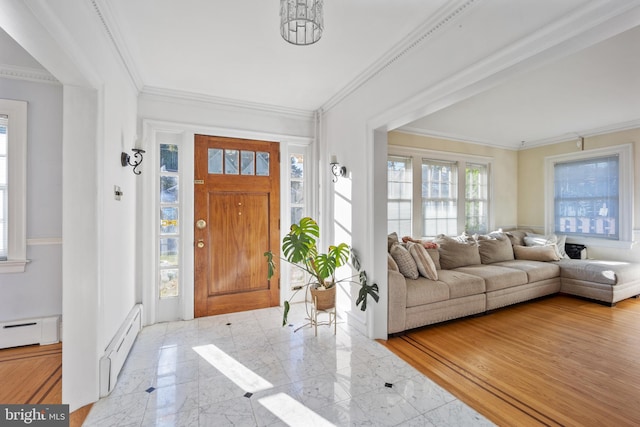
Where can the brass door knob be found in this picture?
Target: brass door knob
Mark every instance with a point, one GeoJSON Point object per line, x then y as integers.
{"type": "Point", "coordinates": [201, 223]}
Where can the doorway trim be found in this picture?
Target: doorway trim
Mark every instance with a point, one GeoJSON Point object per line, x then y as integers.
{"type": "Point", "coordinates": [148, 222]}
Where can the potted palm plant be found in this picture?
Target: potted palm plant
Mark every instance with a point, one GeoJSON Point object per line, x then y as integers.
{"type": "Point", "coordinates": [299, 248]}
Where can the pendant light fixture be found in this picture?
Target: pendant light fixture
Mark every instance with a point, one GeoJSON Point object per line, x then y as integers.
{"type": "Point", "coordinates": [301, 21]}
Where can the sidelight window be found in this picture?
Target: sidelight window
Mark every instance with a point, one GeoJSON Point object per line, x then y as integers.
{"type": "Point", "coordinates": [169, 233]}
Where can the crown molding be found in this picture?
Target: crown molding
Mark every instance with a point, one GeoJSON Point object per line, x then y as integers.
{"type": "Point", "coordinates": [584, 133]}
{"type": "Point", "coordinates": [451, 137]}
{"type": "Point", "coordinates": [27, 73]}
{"type": "Point", "coordinates": [216, 101]}
{"type": "Point", "coordinates": [442, 19]}
{"type": "Point", "coordinates": [104, 13]}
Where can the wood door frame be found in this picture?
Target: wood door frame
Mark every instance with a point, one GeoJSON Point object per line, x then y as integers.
{"type": "Point", "coordinates": [151, 129]}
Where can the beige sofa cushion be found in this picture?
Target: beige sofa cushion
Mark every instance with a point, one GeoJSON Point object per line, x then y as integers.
{"type": "Point", "coordinates": [599, 271]}
{"type": "Point", "coordinates": [495, 248]}
{"type": "Point", "coordinates": [425, 264]}
{"type": "Point", "coordinates": [496, 277]}
{"type": "Point", "coordinates": [457, 251]}
{"type": "Point", "coordinates": [405, 262]}
{"type": "Point", "coordinates": [461, 284]}
{"type": "Point", "coordinates": [536, 253]}
{"type": "Point", "coordinates": [424, 291]}
{"type": "Point", "coordinates": [536, 270]}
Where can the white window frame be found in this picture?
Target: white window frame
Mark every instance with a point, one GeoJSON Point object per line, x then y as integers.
{"type": "Point", "coordinates": [17, 185]}
{"type": "Point", "coordinates": [417, 154]}
{"type": "Point", "coordinates": [411, 200]}
{"type": "Point", "coordinates": [625, 207]}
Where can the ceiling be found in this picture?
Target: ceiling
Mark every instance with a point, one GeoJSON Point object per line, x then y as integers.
{"type": "Point", "coordinates": [208, 46]}
{"type": "Point", "coordinates": [232, 50]}
{"type": "Point", "coordinates": [596, 90]}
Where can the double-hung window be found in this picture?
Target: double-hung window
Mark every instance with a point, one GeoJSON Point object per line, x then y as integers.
{"type": "Point", "coordinates": [431, 193]}
{"type": "Point", "coordinates": [13, 169]}
{"type": "Point", "coordinates": [399, 194]}
{"type": "Point", "coordinates": [589, 194]}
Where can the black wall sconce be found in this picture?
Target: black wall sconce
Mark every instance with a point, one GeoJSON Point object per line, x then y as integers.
{"type": "Point", "coordinates": [336, 169]}
{"type": "Point", "coordinates": [125, 159]}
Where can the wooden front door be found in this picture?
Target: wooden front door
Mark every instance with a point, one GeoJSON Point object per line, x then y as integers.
{"type": "Point", "coordinates": [237, 216]}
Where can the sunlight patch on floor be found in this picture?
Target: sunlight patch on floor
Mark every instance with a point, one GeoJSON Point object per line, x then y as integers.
{"type": "Point", "coordinates": [244, 377]}
{"type": "Point", "coordinates": [292, 412]}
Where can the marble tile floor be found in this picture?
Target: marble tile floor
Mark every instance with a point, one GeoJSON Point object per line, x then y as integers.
{"type": "Point", "coordinates": [244, 369]}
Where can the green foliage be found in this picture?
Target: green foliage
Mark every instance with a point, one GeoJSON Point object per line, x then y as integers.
{"type": "Point", "coordinates": [299, 248]}
{"type": "Point", "coordinates": [271, 265]}
{"type": "Point", "coordinates": [300, 240]}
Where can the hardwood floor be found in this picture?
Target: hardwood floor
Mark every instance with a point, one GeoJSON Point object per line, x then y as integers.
{"type": "Point", "coordinates": [33, 375]}
{"type": "Point", "coordinates": [554, 361]}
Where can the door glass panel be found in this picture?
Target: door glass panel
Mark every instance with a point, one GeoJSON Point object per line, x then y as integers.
{"type": "Point", "coordinates": [247, 162]}
{"type": "Point", "coordinates": [168, 158]}
{"type": "Point", "coordinates": [262, 163]}
{"type": "Point", "coordinates": [215, 160]}
{"type": "Point", "coordinates": [168, 189]}
{"type": "Point", "coordinates": [231, 162]}
{"type": "Point", "coordinates": [169, 283]}
{"type": "Point", "coordinates": [168, 220]}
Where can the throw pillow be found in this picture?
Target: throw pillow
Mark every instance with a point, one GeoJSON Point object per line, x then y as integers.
{"type": "Point", "coordinates": [391, 264]}
{"type": "Point", "coordinates": [533, 239]}
{"type": "Point", "coordinates": [406, 264]}
{"type": "Point", "coordinates": [391, 239]}
{"type": "Point", "coordinates": [457, 251]}
{"type": "Point", "coordinates": [423, 260]}
{"type": "Point", "coordinates": [435, 256]}
{"type": "Point", "coordinates": [536, 253]}
{"type": "Point", "coordinates": [495, 248]}
{"type": "Point", "coordinates": [516, 236]}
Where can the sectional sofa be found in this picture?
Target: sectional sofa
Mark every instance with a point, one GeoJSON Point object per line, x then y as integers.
{"type": "Point", "coordinates": [453, 277]}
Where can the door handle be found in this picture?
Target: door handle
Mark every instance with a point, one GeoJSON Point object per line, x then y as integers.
{"type": "Point", "coordinates": [201, 223]}
{"type": "Point", "coordinates": [200, 243]}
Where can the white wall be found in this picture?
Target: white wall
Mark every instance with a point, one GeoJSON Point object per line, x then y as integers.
{"type": "Point", "coordinates": [99, 234]}
{"type": "Point", "coordinates": [38, 291]}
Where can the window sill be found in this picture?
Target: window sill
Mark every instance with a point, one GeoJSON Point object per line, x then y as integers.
{"type": "Point", "coordinates": [601, 243]}
{"type": "Point", "coordinates": [13, 266]}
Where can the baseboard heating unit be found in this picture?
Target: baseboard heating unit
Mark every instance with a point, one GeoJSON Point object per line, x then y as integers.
{"type": "Point", "coordinates": [43, 330]}
{"type": "Point", "coordinates": [118, 350]}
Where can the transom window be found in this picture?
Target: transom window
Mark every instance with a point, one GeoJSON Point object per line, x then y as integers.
{"type": "Point", "coordinates": [238, 162]}
{"type": "Point", "coordinates": [453, 194]}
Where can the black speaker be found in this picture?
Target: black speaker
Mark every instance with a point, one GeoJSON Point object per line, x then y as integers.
{"type": "Point", "coordinates": [575, 251]}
